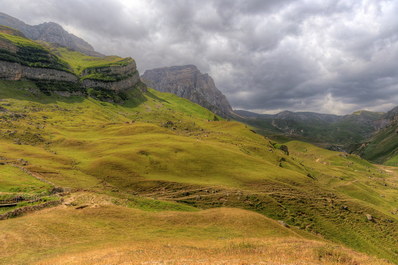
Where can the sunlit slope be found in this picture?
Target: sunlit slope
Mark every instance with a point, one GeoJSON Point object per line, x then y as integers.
{"type": "Point", "coordinates": [174, 154]}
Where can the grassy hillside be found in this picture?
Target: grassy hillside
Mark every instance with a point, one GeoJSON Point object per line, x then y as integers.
{"type": "Point", "coordinates": [123, 165]}
{"type": "Point", "coordinates": [79, 62]}
{"type": "Point", "coordinates": [27, 52]}
{"type": "Point", "coordinates": [382, 147]}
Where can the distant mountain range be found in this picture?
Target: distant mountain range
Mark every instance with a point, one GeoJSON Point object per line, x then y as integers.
{"type": "Point", "coordinates": [188, 82]}
{"type": "Point", "coordinates": [49, 32]}
{"type": "Point", "coordinates": [335, 132]}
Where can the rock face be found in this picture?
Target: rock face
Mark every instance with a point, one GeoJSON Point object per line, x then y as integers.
{"type": "Point", "coordinates": [392, 115]}
{"type": "Point", "coordinates": [127, 80]}
{"type": "Point", "coordinates": [120, 85]}
{"type": "Point", "coordinates": [114, 77]}
{"type": "Point", "coordinates": [16, 71]}
{"type": "Point", "coordinates": [49, 32]}
{"type": "Point", "coordinates": [31, 61]}
{"type": "Point", "coordinates": [188, 82]}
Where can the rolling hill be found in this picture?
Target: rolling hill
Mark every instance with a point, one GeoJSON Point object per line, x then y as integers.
{"type": "Point", "coordinates": [109, 171]}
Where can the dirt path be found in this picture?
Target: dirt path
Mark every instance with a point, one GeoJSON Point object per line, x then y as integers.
{"type": "Point", "coordinates": [393, 171]}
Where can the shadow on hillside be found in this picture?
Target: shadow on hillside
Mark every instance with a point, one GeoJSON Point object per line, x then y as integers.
{"type": "Point", "coordinates": [151, 95]}
{"type": "Point", "coordinates": [26, 90]}
{"type": "Point", "coordinates": [30, 91]}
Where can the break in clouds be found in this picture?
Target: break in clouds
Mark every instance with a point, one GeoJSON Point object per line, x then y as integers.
{"type": "Point", "coordinates": [307, 55]}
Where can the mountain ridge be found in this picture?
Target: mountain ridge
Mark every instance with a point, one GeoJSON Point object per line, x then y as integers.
{"type": "Point", "coordinates": [337, 132]}
{"type": "Point", "coordinates": [49, 32]}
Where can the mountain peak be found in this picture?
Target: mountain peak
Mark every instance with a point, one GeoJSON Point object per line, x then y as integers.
{"type": "Point", "coordinates": [392, 114]}
{"type": "Point", "coordinates": [188, 82]}
{"type": "Point", "coordinates": [49, 32]}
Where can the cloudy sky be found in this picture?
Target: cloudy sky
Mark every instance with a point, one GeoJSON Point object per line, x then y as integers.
{"type": "Point", "coordinates": [326, 56]}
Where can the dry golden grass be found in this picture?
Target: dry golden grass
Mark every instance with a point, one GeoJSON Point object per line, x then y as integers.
{"type": "Point", "coordinates": [104, 233]}
{"type": "Point", "coordinates": [267, 251]}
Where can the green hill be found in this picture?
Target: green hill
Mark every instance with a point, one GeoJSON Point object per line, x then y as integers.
{"type": "Point", "coordinates": [160, 152]}
{"type": "Point", "coordinates": [157, 170]}
{"type": "Point", "coordinates": [382, 147]}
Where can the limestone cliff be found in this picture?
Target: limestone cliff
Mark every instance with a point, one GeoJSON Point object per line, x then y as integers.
{"type": "Point", "coordinates": [23, 59]}
{"type": "Point", "coordinates": [16, 71]}
{"type": "Point", "coordinates": [188, 82]}
{"type": "Point", "coordinates": [113, 77]}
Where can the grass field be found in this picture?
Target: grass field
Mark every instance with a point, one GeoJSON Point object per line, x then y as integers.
{"type": "Point", "coordinates": [104, 233]}
{"type": "Point", "coordinates": [13, 179]}
{"type": "Point", "coordinates": [222, 185]}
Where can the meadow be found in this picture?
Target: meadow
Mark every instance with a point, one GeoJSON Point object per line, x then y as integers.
{"type": "Point", "coordinates": [159, 170]}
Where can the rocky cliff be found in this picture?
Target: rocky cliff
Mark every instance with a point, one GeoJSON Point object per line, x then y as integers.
{"type": "Point", "coordinates": [113, 77]}
{"type": "Point", "coordinates": [23, 59]}
{"type": "Point", "coordinates": [392, 115]}
{"type": "Point", "coordinates": [16, 71]}
{"type": "Point", "coordinates": [49, 32]}
{"type": "Point", "coordinates": [188, 82]}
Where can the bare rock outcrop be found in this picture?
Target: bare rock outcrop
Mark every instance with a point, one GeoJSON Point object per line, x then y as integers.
{"type": "Point", "coordinates": [16, 71]}
{"type": "Point", "coordinates": [114, 77]}
{"type": "Point", "coordinates": [188, 82]}
{"type": "Point", "coordinates": [120, 85]}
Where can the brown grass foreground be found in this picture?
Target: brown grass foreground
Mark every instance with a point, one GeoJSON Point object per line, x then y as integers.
{"type": "Point", "coordinates": [286, 251]}
{"type": "Point", "coordinates": [104, 233]}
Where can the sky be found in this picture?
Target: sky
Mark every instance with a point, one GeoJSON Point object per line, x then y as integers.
{"type": "Point", "coordinates": [266, 56]}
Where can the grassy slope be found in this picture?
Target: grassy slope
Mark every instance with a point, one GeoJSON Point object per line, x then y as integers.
{"type": "Point", "coordinates": [80, 62]}
{"type": "Point", "coordinates": [383, 147]}
{"type": "Point", "coordinates": [117, 150]}
{"type": "Point", "coordinates": [29, 53]}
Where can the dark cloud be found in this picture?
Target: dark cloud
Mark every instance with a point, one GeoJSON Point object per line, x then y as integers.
{"type": "Point", "coordinates": [265, 55]}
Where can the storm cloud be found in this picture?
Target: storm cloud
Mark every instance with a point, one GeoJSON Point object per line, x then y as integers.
{"type": "Point", "coordinates": [306, 55]}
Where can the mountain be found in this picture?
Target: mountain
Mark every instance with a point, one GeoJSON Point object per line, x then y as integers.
{"type": "Point", "coordinates": [63, 71]}
{"type": "Point", "coordinates": [392, 115]}
{"type": "Point", "coordinates": [49, 32]}
{"type": "Point", "coordinates": [326, 130]}
{"type": "Point", "coordinates": [188, 82]}
{"type": "Point", "coordinates": [95, 168]}
{"type": "Point", "coordinates": [382, 147]}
